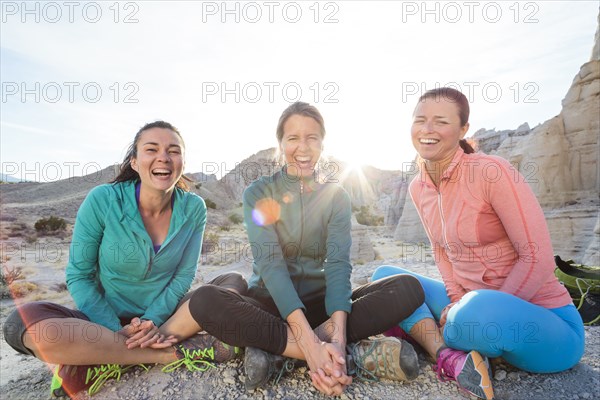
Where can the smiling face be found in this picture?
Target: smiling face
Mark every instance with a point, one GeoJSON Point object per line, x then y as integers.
{"type": "Point", "coordinates": [301, 145]}
{"type": "Point", "coordinates": [160, 159]}
{"type": "Point", "coordinates": [437, 129]}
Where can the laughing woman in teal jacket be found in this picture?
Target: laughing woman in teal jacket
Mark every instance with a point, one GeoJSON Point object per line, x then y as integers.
{"type": "Point", "coordinates": [133, 256]}
{"type": "Point", "coordinates": [300, 303]}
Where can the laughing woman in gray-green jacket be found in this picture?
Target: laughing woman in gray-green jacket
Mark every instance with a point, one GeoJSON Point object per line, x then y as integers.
{"type": "Point", "coordinates": [300, 303]}
{"type": "Point", "coordinates": [133, 256]}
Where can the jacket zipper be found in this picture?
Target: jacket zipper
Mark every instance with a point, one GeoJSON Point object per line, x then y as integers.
{"type": "Point", "coordinates": [149, 270]}
{"type": "Point", "coordinates": [301, 231]}
{"type": "Point", "coordinates": [441, 210]}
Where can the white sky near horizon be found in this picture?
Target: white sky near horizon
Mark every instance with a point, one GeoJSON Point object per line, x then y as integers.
{"type": "Point", "coordinates": [362, 63]}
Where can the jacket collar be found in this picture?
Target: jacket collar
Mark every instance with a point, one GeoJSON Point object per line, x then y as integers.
{"type": "Point", "coordinates": [292, 182]}
{"type": "Point", "coordinates": [132, 216]}
{"type": "Point", "coordinates": [452, 168]}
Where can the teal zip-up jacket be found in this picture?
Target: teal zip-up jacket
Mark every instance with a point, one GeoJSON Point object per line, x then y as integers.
{"type": "Point", "coordinates": [113, 271]}
{"type": "Point", "coordinates": [299, 233]}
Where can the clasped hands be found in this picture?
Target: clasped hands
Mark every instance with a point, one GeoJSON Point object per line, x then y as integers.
{"type": "Point", "coordinates": [327, 368]}
{"type": "Point", "coordinates": [143, 333]}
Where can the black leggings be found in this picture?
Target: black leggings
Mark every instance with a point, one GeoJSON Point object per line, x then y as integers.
{"type": "Point", "coordinates": [246, 321]}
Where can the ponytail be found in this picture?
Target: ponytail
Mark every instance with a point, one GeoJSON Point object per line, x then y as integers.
{"type": "Point", "coordinates": [466, 146]}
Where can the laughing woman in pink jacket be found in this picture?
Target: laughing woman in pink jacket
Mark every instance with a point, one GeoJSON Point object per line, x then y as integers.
{"type": "Point", "coordinates": [499, 296]}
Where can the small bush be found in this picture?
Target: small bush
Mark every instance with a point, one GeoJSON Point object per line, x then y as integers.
{"type": "Point", "coordinates": [9, 275]}
{"type": "Point", "coordinates": [8, 287]}
{"type": "Point", "coordinates": [21, 289]}
{"type": "Point", "coordinates": [51, 224]}
{"type": "Point", "coordinates": [236, 219]}
{"type": "Point", "coordinates": [210, 204]}
{"type": "Point", "coordinates": [365, 217]}
{"type": "Point", "coordinates": [210, 242]}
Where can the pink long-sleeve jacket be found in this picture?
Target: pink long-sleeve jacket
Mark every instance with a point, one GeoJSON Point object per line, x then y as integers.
{"type": "Point", "coordinates": [488, 231]}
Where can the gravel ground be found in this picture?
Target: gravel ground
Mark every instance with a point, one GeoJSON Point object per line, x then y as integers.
{"type": "Point", "coordinates": [24, 377]}
{"type": "Point", "coordinates": [226, 382]}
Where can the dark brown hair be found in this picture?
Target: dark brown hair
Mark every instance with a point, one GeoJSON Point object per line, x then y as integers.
{"type": "Point", "coordinates": [300, 108]}
{"type": "Point", "coordinates": [127, 173]}
{"type": "Point", "coordinates": [462, 103]}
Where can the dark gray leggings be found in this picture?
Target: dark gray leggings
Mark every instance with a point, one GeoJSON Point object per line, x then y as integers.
{"type": "Point", "coordinates": [246, 321]}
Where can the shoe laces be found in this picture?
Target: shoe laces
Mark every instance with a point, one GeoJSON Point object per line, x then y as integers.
{"type": "Point", "coordinates": [194, 360]}
{"type": "Point", "coordinates": [446, 364]}
{"type": "Point", "coordinates": [100, 374]}
{"type": "Point", "coordinates": [288, 366]}
{"type": "Point", "coordinates": [359, 361]}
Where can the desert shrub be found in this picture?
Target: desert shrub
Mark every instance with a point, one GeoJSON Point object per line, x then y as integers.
{"type": "Point", "coordinates": [210, 242]}
{"type": "Point", "coordinates": [21, 289]}
{"type": "Point", "coordinates": [50, 224]}
{"type": "Point", "coordinates": [9, 288]}
{"type": "Point", "coordinates": [210, 204]}
{"type": "Point", "coordinates": [236, 218]}
{"type": "Point", "coordinates": [9, 275]}
{"type": "Point", "coordinates": [365, 217]}
{"type": "Point", "coordinates": [225, 228]}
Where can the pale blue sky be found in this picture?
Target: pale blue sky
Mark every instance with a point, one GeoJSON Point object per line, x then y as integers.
{"type": "Point", "coordinates": [174, 59]}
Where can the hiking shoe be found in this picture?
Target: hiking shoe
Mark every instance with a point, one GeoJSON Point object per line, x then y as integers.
{"type": "Point", "coordinates": [200, 351]}
{"type": "Point", "coordinates": [470, 370]}
{"type": "Point", "coordinates": [260, 366]}
{"type": "Point", "coordinates": [68, 380]}
{"type": "Point", "coordinates": [386, 357]}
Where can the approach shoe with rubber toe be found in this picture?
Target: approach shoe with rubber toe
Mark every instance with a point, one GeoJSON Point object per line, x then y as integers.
{"type": "Point", "coordinates": [260, 366]}
{"type": "Point", "coordinates": [200, 351]}
{"type": "Point", "coordinates": [470, 370]}
{"type": "Point", "coordinates": [385, 357]}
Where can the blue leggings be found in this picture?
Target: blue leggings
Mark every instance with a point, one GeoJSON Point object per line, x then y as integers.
{"type": "Point", "coordinates": [498, 324]}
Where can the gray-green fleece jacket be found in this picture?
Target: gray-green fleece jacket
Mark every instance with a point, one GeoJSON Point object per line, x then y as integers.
{"type": "Point", "coordinates": [299, 233]}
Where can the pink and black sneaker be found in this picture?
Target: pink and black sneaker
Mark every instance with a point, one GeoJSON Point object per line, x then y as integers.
{"type": "Point", "coordinates": [470, 370]}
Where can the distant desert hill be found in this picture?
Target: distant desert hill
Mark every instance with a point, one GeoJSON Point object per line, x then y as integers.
{"type": "Point", "coordinates": [61, 198]}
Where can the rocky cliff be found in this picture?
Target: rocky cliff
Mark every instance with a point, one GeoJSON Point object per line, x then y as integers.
{"type": "Point", "coordinates": [559, 159]}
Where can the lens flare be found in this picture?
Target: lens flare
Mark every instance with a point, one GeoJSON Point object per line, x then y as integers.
{"type": "Point", "coordinates": [266, 212]}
